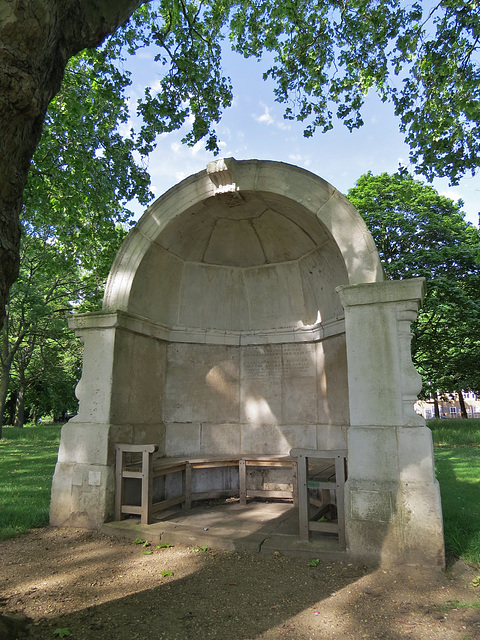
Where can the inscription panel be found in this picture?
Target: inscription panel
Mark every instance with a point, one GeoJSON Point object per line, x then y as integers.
{"type": "Point", "coordinates": [299, 360]}
{"type": "Point", "coordinates": [202, 384]}
{"type": "Point", "coordinates": [278, 384]}
{"type": "Point", "coordinates": [262, 363]}
{"type": "Point", "coordinates": [273, 361]}
{"type": "Point", "coordinates": [261, 384]}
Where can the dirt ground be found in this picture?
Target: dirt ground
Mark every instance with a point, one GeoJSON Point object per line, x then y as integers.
{"type": "Point", "coordinates": [85, 586]}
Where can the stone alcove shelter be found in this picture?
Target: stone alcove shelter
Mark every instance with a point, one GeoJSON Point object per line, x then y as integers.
{"type": "Point", "coordinates": [247, 312]}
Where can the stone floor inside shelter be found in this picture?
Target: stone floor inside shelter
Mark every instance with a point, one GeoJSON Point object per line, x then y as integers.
{"type": "Point", "coordinates": [258, 527]}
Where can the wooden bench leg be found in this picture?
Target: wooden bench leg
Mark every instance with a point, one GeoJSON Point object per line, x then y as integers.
{"type": "Point", "coordinates": [340, 498]}
{"type": "Point", "coordinates": [147, 489]}
{"type": "Point", "coordinates": [303, 502]}
{"type": "Point", "coordinates": [295, 483]}
{"type": "Point", "coordinates": [242, 481]}
{"type": "Point", "coordinates": [119, 484]}
{"type": "Point", "coordinates": [188, 486]}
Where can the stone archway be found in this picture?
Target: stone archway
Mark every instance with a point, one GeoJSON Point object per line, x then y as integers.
{"type": "Point", "coordinates": [246, 312]}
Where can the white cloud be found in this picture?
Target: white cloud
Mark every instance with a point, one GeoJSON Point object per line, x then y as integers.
{"type": "Point", "coordinates": [297, 158]}
{"type": "Point", "coordinates": [284, 125]}
{"type": "Point", "coordinates": [265, 118]}
{"type": "Point", "coordinates": [451, 193]}
{"type": "Point", "coordinates": [125, 128]}
{"type": "Point", "coordinates": [156, 86]}
{"type": "Point", "coordinates": [198, 146]}
{"type": "Point", "coordinates": [300, 160]}
{"type": "Point", "coordinates": [145, 54]}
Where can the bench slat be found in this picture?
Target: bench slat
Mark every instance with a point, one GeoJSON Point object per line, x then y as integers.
{"type": "Point", "coordinates": [170, 502]}
{"type": "Point", "coordinates": [324, 527]}
{"type": "Point", "coordinates": [269, 493]}
{"type": "Point", "coordinates": [136, 448]}
{"type": "Point", "coordinates": [211, 495]}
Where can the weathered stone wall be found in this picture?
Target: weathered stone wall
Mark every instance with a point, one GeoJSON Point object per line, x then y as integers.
{"type": "Point", "coordinates": [255, 399]}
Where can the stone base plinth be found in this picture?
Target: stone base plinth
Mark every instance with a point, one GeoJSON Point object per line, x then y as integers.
{"type": "Point", "coordinates": [392, 498]}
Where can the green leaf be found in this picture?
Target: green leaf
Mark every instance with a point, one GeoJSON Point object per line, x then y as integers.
{"type": "Point", "coordinates": [164, 546]}
{"type": "Point", "coordinates": [62, 633]}
{"type": "Point", "coordinates": [148, 552]}
{"type": "Point", "coordinates": [166, 573]}
{"type": "Point", "coordinates": [420, 233]}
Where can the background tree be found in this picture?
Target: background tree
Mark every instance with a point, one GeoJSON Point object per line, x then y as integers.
{"type": "Point", "coordinates": [326, 57]}
{"type": "Point", "coordinates": [74, 219]}
{"type": "Point", "coordinates": [421, 233]}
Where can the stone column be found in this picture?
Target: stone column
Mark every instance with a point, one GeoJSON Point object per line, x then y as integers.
{"type": "Point", "coordinates": [392, 498]}
{"type": "Point", "coordinates": [120, 401]}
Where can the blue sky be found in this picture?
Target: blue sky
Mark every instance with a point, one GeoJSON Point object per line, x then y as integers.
{"type": "Point", "coordinates": [254, 128]}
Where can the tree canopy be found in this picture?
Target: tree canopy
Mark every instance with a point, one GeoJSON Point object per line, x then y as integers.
{"type": "Point", "coordinates": [74, 218]}
{"type": "Point", "coordinates": [326, 57]}
{"type": "Point", "coordinates": [421, 233]}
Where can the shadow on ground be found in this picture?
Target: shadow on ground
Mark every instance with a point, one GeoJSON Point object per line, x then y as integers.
{"type": "Point", "coordinates": [99, 587]}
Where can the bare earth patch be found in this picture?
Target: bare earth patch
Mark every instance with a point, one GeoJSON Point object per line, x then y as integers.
{"type": "Point", "coordinates": [100, 587]}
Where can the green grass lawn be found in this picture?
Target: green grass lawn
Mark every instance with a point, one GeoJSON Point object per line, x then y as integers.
{"type": "Point", "coordinates": [457, 465]}
{"type": "Point", "coordinates": [27, 461]}
{"type": "Point", "coordinates": [28, 456]}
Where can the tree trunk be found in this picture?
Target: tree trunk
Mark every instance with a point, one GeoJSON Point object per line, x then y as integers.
{"type": "Point", "coordinates": [463, 408]}
{"type": "Point", "coordinates": [7, 354]}
{"type": "Point", "coordinates": [11, 408]}
{"type": "Point", "coordinates": [20, 407]}
{"type": "Point", "coordinates": [4, 381]}
{"type": "Point", "coordinates": [6, 358]}
{"type": "Point", "coordinates": [37, 38]}
{"type": "Point", "coordinates": [435, 404]}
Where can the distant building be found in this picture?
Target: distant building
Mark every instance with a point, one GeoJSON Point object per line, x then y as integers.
{"type": "Point", "coordinates": [449, 406]}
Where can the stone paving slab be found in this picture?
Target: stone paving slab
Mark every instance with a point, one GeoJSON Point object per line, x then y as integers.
{"type": "Point", "coordinates": [256, 527]}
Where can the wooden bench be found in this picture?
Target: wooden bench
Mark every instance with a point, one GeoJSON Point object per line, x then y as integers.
{"type": "Point", "coordinates": [145, 465]}
{"type": "Point", "coordinates": [325, 471]}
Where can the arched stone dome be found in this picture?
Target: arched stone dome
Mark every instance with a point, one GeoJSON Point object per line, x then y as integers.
{"type": "Point", "coordinates": [246, 314]}
{"type": "Point", "coordinates": [242, 248]}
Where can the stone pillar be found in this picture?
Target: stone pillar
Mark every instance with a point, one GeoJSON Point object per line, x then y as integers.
{"type": "Point", "coordinates": [392, 498]}
{"type": "Point", "coordinates": [120, 401]}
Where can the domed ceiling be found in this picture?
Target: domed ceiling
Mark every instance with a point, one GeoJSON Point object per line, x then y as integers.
{"type": "Point", "coordinates": [245, 263]}
{"type": "Point", "coordinates": [243, 230]}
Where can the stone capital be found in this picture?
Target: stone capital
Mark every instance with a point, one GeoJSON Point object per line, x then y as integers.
{"type": "Point", "coordinates": [389, 291]}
